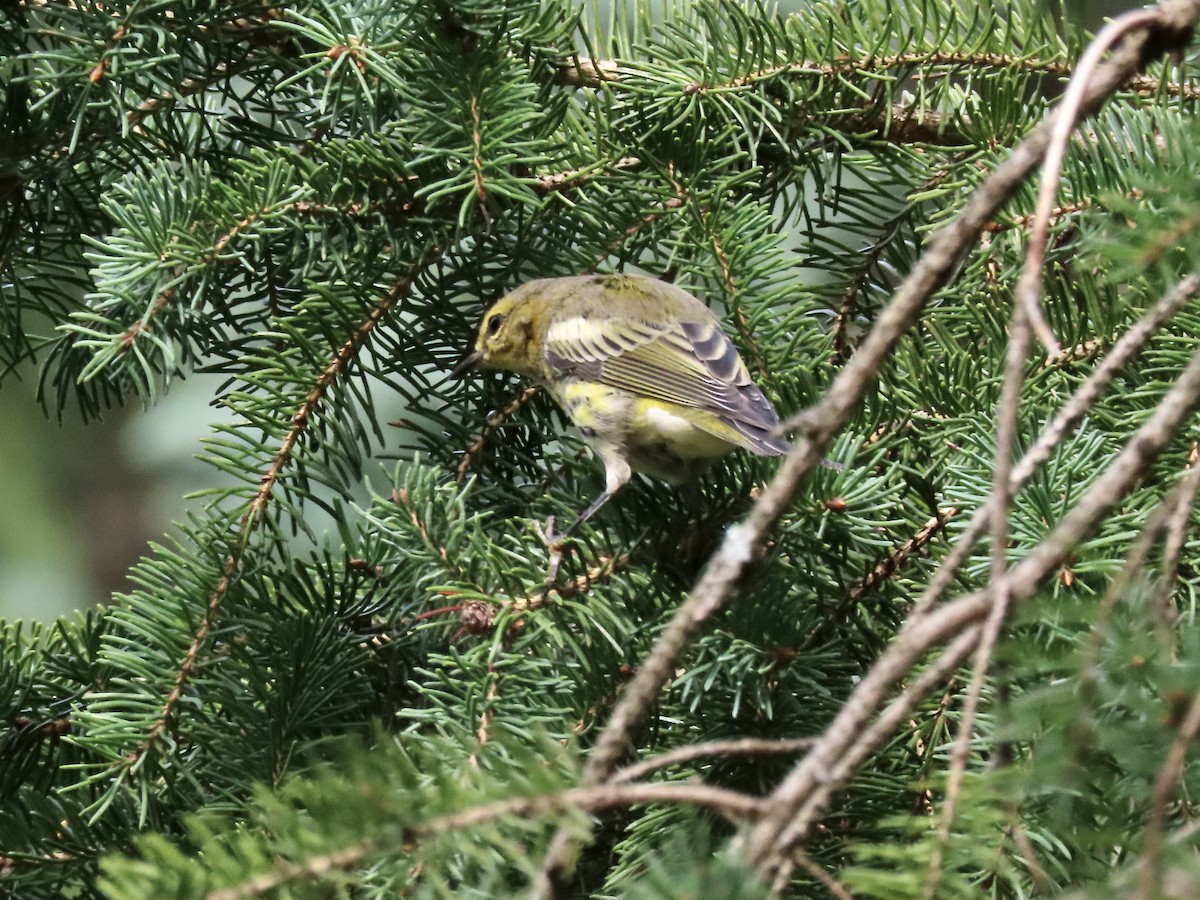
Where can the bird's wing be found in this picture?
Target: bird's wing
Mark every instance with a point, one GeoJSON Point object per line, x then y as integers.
{"type": "Point", "coordinates": [691, 363]}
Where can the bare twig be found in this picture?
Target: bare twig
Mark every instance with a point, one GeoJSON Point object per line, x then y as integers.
{"type": "Point", "coordinates": [734, 806]}
{"type": "Point", "coordinates": [1175, 528]}
{"type": "Point", "coordinates": [819, 425]}
{"type": "Point", "coordinates": [1029, 284]}
{"type": "Point", "coordinates": [998, 599]}
{"type": "Point", "coordinates": [847, 738]}
{"type": "Point", "coordinates": [1119, 589]}
{"type": "Point", "coordinates": [1149, 874]}
{"type": "Point", "coordinates": [734, 747]}
{"type": "Point", "coordinates": [858, 749]}
{"type": "Point", "coordinates": [1068, 417]}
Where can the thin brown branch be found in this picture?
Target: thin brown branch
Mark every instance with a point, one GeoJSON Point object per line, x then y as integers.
{"type": "Point", "coordinates": [1149, 871]}
{"type": "Point", "coordinates": [733, 747]}
{"type": "Point", "coordinates": [738, 808]}
{"type": "Point", "coordinates": [595, 73]}
{"type": "Point", "coordinates": [1020, 837]}
{"type": "Point", "coordinates": [741, 323]}
{"type": "Point", "coordinates": [1029, 285]}
{"type": "Point", "coordinates": [252, 517]}
{"type": "Point", "coordinates": [811, 782]}
{"type": "Point", "coordinates": [129, 337]}
{"type": "Point", "coordinates": [611, 73]}
{"type": "Point", "coordinates": [998, 597]}
{"type": "Point", "coordinates": [757, 361]}
{"type": "Point", "coordinates": [574, 587]}
{"type": "Point", "coordinates": [1072, 412]}
{"type": "Point", "coordinates": [477, 150]}
{"type": "Point", "coordinates": [152, 106]}
{"type": "Point", "coordinates": [742, 542]}
{"type": "Point", "coordinates": [483, 733]}
{"type": "Point", "coordinates": [494, 421]}
{"type": "Point", "coordinates": [47, 729]}
{"type": "Point", "coordinates": [884, 570]}
{"type": "Point", "coordinates": [572, 178]}
{"type": "Point", "coordinates": [814, 869]}
{"type": "Point", "coordinates": [1175, 530]}
{"type": "Point", "coordinates": [860, 746]}
{"type": "Point", "coordinates": [680, 200]}
{"type": "Point", "coordinates": [1182, 494]}
{"type": "Point", "coordinates": [893, 562]}
{"type": "Point", "coordinates": [401, 498]}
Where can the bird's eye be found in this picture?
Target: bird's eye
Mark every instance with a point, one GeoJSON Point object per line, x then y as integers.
{"type": "Point", "coordinates": [494, 323]}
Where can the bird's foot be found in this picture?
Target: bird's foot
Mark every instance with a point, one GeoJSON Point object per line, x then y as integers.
{"type": "Point", "coordinates": [556, 548]}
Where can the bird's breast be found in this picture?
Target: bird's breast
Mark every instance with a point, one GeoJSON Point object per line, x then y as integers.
{"type": "Point", "coordinates": [598, 411]}
{"type": "Point", "coordinates": [659, 439]}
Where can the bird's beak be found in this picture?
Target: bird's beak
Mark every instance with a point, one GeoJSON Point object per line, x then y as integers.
{"type": "Point", "coordinates": [468, 363]}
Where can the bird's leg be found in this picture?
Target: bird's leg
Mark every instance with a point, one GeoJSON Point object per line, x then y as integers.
{"type": "Point", "coordinates": [587, 514]}
{"type": "Point", "coordinates": [556, 544]}
{"type": "Point", "coordinates": [616, 474]}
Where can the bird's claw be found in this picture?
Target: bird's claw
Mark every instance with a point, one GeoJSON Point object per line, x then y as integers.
{"type": "Point", "coordinates": [555, 547]}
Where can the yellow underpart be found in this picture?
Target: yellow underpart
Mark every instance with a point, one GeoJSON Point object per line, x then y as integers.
{"type": "Point", "coordinates": [681, 430]}
{"type": "Point", "coordinates": [608, 416]}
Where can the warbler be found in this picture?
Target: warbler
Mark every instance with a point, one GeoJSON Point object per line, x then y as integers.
{"type": "Point", "coordinates": [642, 368]}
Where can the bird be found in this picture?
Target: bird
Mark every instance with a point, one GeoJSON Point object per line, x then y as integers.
{"type": "Point", "coordinates": [642, 367]}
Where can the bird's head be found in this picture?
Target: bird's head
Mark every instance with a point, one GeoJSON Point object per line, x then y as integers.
{"type": "Point", "coordinates": [511, 334]}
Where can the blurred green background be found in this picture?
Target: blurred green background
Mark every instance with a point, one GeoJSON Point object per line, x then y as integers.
{"type": "Point", "coordinates": [78, 504]}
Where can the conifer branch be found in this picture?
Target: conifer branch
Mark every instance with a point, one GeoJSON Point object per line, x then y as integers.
{"type": "Point", "coordinates": [1071, 413]}
{"type": "Point", "coordinates": [485, 717]}
{"type": "Point", "coordinates": [572, 178]}
{"type": "Point", "coordinates": [1181, 495]}
{"type": "Point", "coordinates": [893, 562]}
{"type": "Point", "coordinates": [647, 219]}
{"type": "Point", "coordinates": [593, 73]}
{"type": "Point", "coordinates": [401, 498]}
{"type": "Point", "coordinates": [597, 73]}
{"type": "Point", "coordinates": [481, 193]}
{"type": "Point", "coordinates": [151, 107]}
{"type": "Point", "coordinates": [255, 510]}
{"type": "Point", "coordinates": [819, 425]}
{"type": "Point", "coordinates": [738, 808]}
{"type": "Point", "coordinates": [287, 643]}
{"type": "Point", "coordinates": [1175, 534]}
{"type": "Point", "coordinates": [757, 361]}
{"type": "Point", "coordinates": [1165, 784]}
{"type": "Point", "coordinates": [1029, 284]}
{"type": "Point", "coordinates": [129, 337]}
{"type": "Point", "coordinates": [494, 421]}
{"type": "Point", "coordinates": [869, 258]}
{"type": "Point", "coordinates": [791, 807]}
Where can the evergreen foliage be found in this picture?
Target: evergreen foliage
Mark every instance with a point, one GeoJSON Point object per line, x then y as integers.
{"type": "Point", "coordinates": [317, 198]}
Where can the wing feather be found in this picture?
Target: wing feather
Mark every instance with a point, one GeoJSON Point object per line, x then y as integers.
{"type": "Point", "coordinates": [690, 363]}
